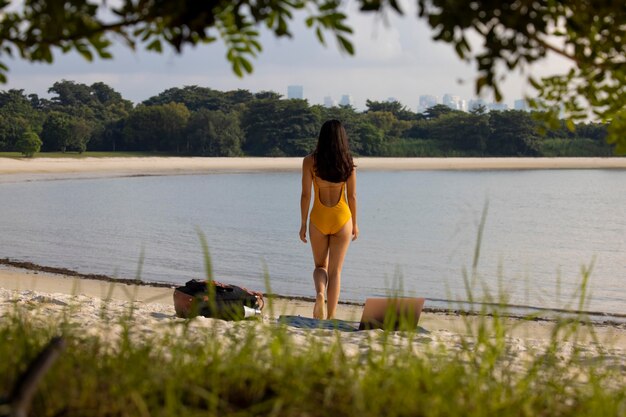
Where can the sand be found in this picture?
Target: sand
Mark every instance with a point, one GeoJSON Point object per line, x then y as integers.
{"type": "Point", "coordinates": [25, 284]}
{"type": "Point", "coordinates": [55, 168]}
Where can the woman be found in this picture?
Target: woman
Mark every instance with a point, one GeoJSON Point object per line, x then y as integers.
{"type": "Point", "coordinates": [332, 173]}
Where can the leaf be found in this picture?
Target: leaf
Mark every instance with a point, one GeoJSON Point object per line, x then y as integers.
{"type": "Point", "coordinates": [256, 45]}
{"type": "Point", "coordinates": [320, 36]}
{"type": "Point", "coordinates": [497, 94]}
{"type": "Point", "coordinates": [246, 65]}
{"type": "Point", "coordinates": [330, 5]}
{"type": "Point", "coordinates": [237, 67]}
{"type": "Point", "coordinates": [155, 45]}
{"type": "Point", "coordinates": [480, 83]}
{"type": "Point", "coordinates": [343, 28]}
{"type": "Point", "coordinates": [85, 53]}
{"type": "Point", "coordinates": [345, 44]}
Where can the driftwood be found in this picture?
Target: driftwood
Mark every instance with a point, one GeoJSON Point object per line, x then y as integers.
{"type": "Point", "coordinates": [20, 400]}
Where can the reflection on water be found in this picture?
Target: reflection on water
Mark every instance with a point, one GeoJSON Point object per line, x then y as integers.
{"type": "Point", "coordinates": [421, 226]}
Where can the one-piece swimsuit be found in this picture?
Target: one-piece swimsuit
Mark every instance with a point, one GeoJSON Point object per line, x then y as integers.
{"type": "Point", "coordinates": [330, 219]}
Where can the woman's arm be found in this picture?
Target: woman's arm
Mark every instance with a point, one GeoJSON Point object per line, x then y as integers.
{"type": "Point", "coordinates": [305, 197]}
{"type": "Point", "coordinates": [352, 203]}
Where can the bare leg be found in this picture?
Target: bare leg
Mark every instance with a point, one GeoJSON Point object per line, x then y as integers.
{"type": "Point", "coordinates": [337, 249]}
{"type": "Point", "coordinates": [319, 245]}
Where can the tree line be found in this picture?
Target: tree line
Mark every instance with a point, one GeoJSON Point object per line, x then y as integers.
{"type": "Point", "coordinates": [201, 121]}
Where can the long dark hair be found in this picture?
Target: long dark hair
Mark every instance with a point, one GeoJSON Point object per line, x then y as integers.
{"type": "Point", "coordinates": [333, 161]}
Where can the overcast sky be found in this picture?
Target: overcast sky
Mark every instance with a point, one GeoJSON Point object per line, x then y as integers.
{"type": "Point", "coordinates": [396, 58]}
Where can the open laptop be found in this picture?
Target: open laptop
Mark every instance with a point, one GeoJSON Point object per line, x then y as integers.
{"type": "Point", "coordinates": [398, 313]}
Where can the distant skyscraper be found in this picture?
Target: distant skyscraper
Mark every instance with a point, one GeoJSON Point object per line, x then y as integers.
{"type": "Point", "coordinates": [521, 105]}
{"type": "Point", "coordinates": [329, 102]}
{"type": "Point", "coordinates": [476, 103]}
{"type": "Point", "coordinates": [295, 92]}
{"type": "Point", "coordinates": [498, 107]}
{"type": "Point", "coordinates": [454, 102]}
{"type": "Point", "coordinates": [426, 102]}
{"type": "Point", "coordinates": [346, 100]}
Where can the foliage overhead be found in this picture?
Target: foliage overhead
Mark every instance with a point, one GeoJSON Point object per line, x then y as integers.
{"type": "Point", "coordinates": [510, 35]}
{"type": "Point", "coordinates": [590, 34]}
{"type": "Point", "coordinates": [38, 28]}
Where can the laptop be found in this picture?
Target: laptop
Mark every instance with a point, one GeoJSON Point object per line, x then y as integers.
{"type": "Point", "coordinates": [398, 313]}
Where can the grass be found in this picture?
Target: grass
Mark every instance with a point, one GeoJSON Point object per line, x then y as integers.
{"type": "Point", "coordinates": [88, 154]}
{"type": "Point", "coordinates": [267, 370]}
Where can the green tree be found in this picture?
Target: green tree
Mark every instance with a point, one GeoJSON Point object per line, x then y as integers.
{"type": "Point", "coordinates": [28, 144]}
{"type": "Point", "coordinates": [98, 105]}
{"type": "Point", "coordinates": [17, 115]}
{"type": "Point", "coordinates": [80, 133]}
{"type": "Point", "coordinates": [70, 93]}
{"type": "Point", "coordinates": [193, 97]}
{"type": "Point", "coordinates": [594, 131]}
{"type": "Point", "coordinates": [512, 133]}
{"type": "Point", "coordinates": [110, 111]}
{"type": "Point", "coordinates": [12, 127]}
{"type": "Point", "coordinates": [55, 132]}
{"type": "Point", "coordinates": [279, 127]}
{"type": "Point", "coordinates": [370, 139]}
{"type": "Point", "coordinates": [214, 133]}
{"type": "Point", "coordinates": [461, 131]}
{"type": "Point", "coordinates": [157, 128]}
{"type": "Point", "coordinates": [388, 124]}
{"type": "Point", "coordinates": [62, 132]}
{"type": "Point", "coordinates": [437, 111]}
{"type": "Point", "coordinates": [396, 108]}
{"type": "Point", "coordinates": [268, 95]}
{"type": "Point", "coordinates": [383, 120]}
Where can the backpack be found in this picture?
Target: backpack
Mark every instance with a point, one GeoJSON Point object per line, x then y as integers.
{"type": "Point", "coordinates": [230, 301]}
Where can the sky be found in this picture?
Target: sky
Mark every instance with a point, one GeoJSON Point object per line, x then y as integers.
{"type": "Point", "coordinates": [395, 57]}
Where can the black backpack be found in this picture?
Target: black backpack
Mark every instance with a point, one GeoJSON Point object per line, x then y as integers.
{"type": "Point", "coordinates": [215, 299]}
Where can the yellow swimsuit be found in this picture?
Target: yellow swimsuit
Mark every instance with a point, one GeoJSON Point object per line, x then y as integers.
{"type": "Point", "coordinates": [329, 220]}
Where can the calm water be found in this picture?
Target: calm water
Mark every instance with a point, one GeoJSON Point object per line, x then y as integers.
{"type": "Point", "coordinates": [542, 227]}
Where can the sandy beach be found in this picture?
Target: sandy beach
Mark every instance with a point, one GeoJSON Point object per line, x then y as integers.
{"type": "Point", "coordinates": [55, 168]}
{"type": "Point", "coordinates": [154, 306]}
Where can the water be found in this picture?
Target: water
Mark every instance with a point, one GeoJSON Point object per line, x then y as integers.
{"type": "Point", "coordinates": [418, 231]}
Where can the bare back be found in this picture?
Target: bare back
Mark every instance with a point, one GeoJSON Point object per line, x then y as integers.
{"type": "Point", "coordinates": [329, 192]}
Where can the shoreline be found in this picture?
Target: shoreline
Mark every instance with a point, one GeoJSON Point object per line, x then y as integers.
{"type": "Point", "coordinates": [25, 169]}
{"type": "Point", "coordinates": [25, 268]}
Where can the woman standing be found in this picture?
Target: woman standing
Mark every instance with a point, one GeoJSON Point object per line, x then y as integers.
{"type": "Point", "coordinates": [332, 173]}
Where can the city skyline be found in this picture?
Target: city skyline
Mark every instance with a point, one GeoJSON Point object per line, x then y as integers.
{"type": "Point", "coordinates": [425, 101]}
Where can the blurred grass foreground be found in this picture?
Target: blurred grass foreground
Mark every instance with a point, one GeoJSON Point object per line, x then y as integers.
{"type": "Point", "coordinates": [115, 362]}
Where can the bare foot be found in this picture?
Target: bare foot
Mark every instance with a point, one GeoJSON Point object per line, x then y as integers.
{"type": "Point", "coordinates": [318, 309]}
